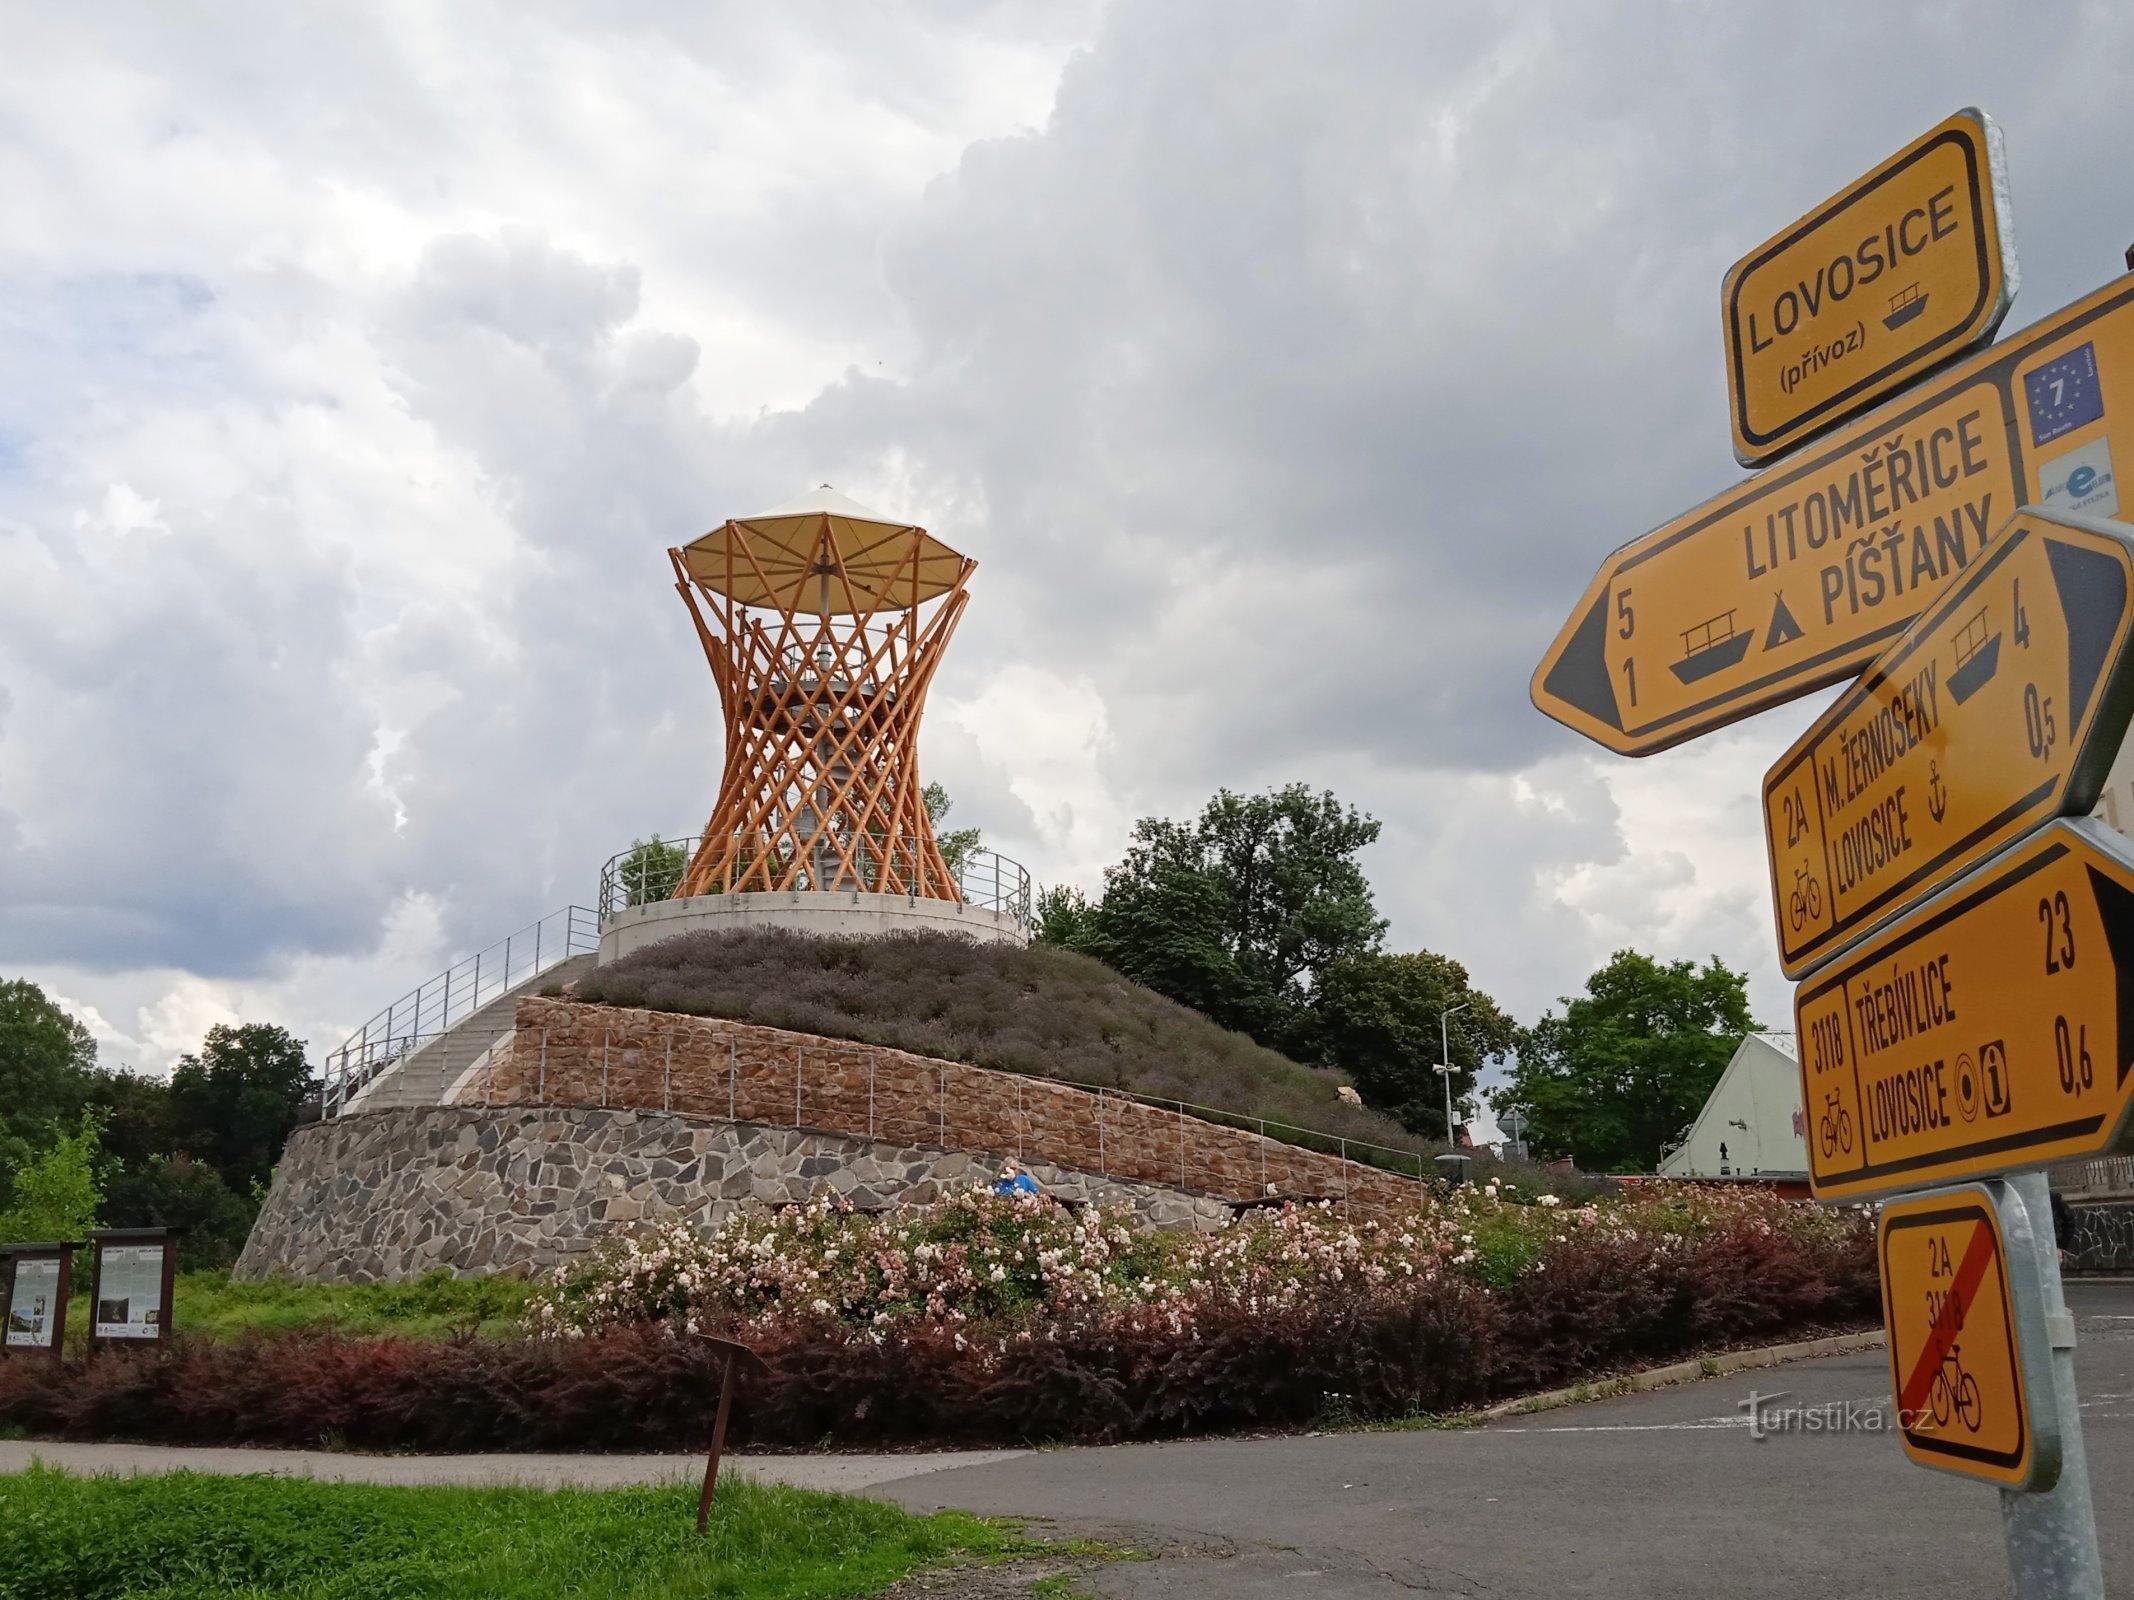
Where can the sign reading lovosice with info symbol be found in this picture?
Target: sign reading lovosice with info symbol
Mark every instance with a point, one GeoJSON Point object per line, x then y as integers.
{"type": "Point", "coordinates": [1989, 1030]}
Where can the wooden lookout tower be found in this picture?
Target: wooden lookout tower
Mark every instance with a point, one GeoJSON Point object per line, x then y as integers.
{"type": "Point", "coordinates": [823, 623]}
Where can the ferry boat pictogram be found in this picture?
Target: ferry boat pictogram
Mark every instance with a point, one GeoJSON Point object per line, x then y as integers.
{"type": "Point", "coordinates": [1978, 658]}
{"type": "Point", "coordinates": [1906, 304]}
{"type": "Point", "coordinates": [1710, 647]}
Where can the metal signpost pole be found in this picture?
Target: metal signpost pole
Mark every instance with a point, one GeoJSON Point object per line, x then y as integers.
{"type": "Point", "coordinates": [1444, 1047]}
{"type": "Point", "coordinates": [2052, 1536]}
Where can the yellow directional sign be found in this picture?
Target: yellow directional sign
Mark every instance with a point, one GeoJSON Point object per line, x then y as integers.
{"type": "Point", "coordinates": [1804, 573]}
{"type": "Point", "coordinates": [2001, 707]}
{"type": "Point", "coordinates": [1969, 1360]}
{"type": "Point", "coordinates": [1989, 1030]}
{"type": "Point", "coordinates": [1900, 273]}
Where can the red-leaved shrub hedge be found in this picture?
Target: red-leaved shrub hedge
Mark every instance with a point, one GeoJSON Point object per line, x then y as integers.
{"type": "Point", "coordinates": [1107, 1376]}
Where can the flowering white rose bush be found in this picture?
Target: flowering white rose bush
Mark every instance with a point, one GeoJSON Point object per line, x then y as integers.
{"type": "Point", "coordinates": [1023, 1260]}
{"type": "Point", "coordinates": [993, 1319]}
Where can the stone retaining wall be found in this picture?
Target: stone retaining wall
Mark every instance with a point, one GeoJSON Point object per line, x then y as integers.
{"type": "Point", "coordinates": [564, 1052]}
{"type": "Point", "coordinates": [2103, 1237]}
{"type": "Point", "coordinates": [384, 1196]}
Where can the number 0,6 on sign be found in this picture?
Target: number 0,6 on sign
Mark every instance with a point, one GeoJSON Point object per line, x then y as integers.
{"type": "Point", "coordinates": [1969, 1363]}
{"type": "Point", "coordinates": [2000, 708]}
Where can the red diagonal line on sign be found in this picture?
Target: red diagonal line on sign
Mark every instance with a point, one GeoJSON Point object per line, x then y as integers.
{"type": "Point", "coordinates": [1978, 1256]}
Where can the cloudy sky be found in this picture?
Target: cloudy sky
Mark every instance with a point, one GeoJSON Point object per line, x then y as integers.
{"type": "Point", "coordinates": [1288, 369]}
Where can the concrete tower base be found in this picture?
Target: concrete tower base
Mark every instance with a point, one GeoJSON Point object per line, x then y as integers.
{"type": "Point", "coordinates": [830, 912]}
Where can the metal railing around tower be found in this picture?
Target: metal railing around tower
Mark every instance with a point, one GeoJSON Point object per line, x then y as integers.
{"type": "Point", "coordinates": [653, 870]}
{"type": "Point", "coordinates": [431, 1009]}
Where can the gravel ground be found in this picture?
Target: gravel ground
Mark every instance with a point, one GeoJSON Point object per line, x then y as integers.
{"type": "Point", "coordinates": [1011, 1580]}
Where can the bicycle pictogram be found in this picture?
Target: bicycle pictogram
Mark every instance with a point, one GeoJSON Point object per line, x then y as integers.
{"type": "Point", "coordinates": [1955, 1393]}
{"type": "Point", "coordinates": [1806, 904]}
{"type": "Point", "coordinates": [1835, 1129]}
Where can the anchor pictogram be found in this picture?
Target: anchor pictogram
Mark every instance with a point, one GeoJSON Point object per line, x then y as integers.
{"type": "Point", "coordinates": [1937, 792]}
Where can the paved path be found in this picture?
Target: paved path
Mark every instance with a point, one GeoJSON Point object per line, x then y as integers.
{"type": "Point", "coordinates": [1649, 1496]}
{"type": "Point", "coordinates": [847, 1473]}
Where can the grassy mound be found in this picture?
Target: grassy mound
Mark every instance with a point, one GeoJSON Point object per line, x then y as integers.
{"type": "Point", "coordinates": [211, 1303]}
{"type": "Point", "coordinates": [1042, 1011]}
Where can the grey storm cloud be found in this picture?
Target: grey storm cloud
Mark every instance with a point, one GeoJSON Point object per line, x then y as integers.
{"type": "Point", "coordinates": [1289, 378]}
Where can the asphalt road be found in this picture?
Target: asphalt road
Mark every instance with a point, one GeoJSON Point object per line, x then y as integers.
{"type": "Point", "coordinates": [1648, 1496]}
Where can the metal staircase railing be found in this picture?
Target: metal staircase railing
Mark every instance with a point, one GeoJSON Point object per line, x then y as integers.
{"type": "Point", "coordinates": [455, 994]}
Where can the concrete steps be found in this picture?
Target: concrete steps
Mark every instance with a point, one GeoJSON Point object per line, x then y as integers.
{"type": "Point", "coordinates": [425, 1076]}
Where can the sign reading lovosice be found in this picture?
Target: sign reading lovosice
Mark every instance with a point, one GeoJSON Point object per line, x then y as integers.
{"type": "Point", "coordinates": [1902, 272]}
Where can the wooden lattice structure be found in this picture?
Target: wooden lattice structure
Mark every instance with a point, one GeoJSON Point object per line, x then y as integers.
{"type": "Point", "coordinates": [811, 618]}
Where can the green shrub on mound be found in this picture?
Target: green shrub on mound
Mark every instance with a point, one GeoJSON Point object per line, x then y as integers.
{"type": "Point", "coordinates": [1042, 1011]}
{"type": "Point", "coordinates": [993, 1320]}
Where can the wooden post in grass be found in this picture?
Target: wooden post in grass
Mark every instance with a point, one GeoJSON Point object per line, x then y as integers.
{"type": "Point", "coordinates": [732, 1353]}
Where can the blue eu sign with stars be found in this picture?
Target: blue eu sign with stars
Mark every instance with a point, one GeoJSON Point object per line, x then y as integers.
{"type": "Point", "coordinates": [2064, 395]}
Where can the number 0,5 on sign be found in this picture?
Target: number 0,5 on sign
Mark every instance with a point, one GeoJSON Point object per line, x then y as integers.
{"type": "Point", "coordinates": [1999, 709]}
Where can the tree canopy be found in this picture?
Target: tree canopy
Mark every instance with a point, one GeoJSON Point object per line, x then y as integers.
{"type": "Point", "coordinates": [1383, 1019]}
{"type": "Point", "coordinates": [1236, 912]}
{"type": "Point", "coordinates": [1258, 915]}
{"type": "Point", "coordinates": [1627, 1066]}
{"type": "Point", "coordinates": [955, 844]}
{"type": "Point", "coordinates": [235, 1104]}
{"type": "Point", "coordinates": [83, 1145]}
{"type": "Point", "coordinates": [46, 1057]}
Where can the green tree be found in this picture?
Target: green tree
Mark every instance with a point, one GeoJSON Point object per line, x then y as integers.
{"type": "Point", "coordinates": [45, 1060]}
{"type": "Point", "coordinates": [1629, 1063]}
{"type": "Point", "coordinates": [134, 1116]}
{"type": "Point", "coordinates": [1377, 1016]}
{"type": "Point", "coordinates": [957, 845]}
{"type": "Point", "coordinates": [235, 1104]}
{"type": "Point", "coordinates": [56, 1194]}
{"type": "Point", "coordinates": [179, 1192]}
{"type": "Point", "coordinates": [1239, 911]}
{"type": "Point", "coordinates": [652, 871]}
{"type": "Point", "coordinates": [1061, 917]}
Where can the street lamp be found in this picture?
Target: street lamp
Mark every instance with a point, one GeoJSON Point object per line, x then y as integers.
{"type": "Point", "coordinates": [1444, 1066]}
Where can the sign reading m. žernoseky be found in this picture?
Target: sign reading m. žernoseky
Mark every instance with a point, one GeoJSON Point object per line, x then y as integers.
{"type": "Point", "coordinates": [1903, 271]}
{"type": "Point", "coordinates": [2000, 708]}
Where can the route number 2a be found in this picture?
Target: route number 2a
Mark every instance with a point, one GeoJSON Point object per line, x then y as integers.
{"type": "Point", "coordinates": [1941, 1266]}
{"type": "Point", "coordinates": [1796, 817]}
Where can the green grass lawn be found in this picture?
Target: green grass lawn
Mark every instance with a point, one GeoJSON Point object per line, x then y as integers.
{"type": "Point", "coordinates": [175, 1536]}
{"type": "Point", "coordinates": [209, 1303]}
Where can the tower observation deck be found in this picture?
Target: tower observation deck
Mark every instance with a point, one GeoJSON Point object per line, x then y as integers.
{"type": "Point", "coordinates": [823, 623]}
